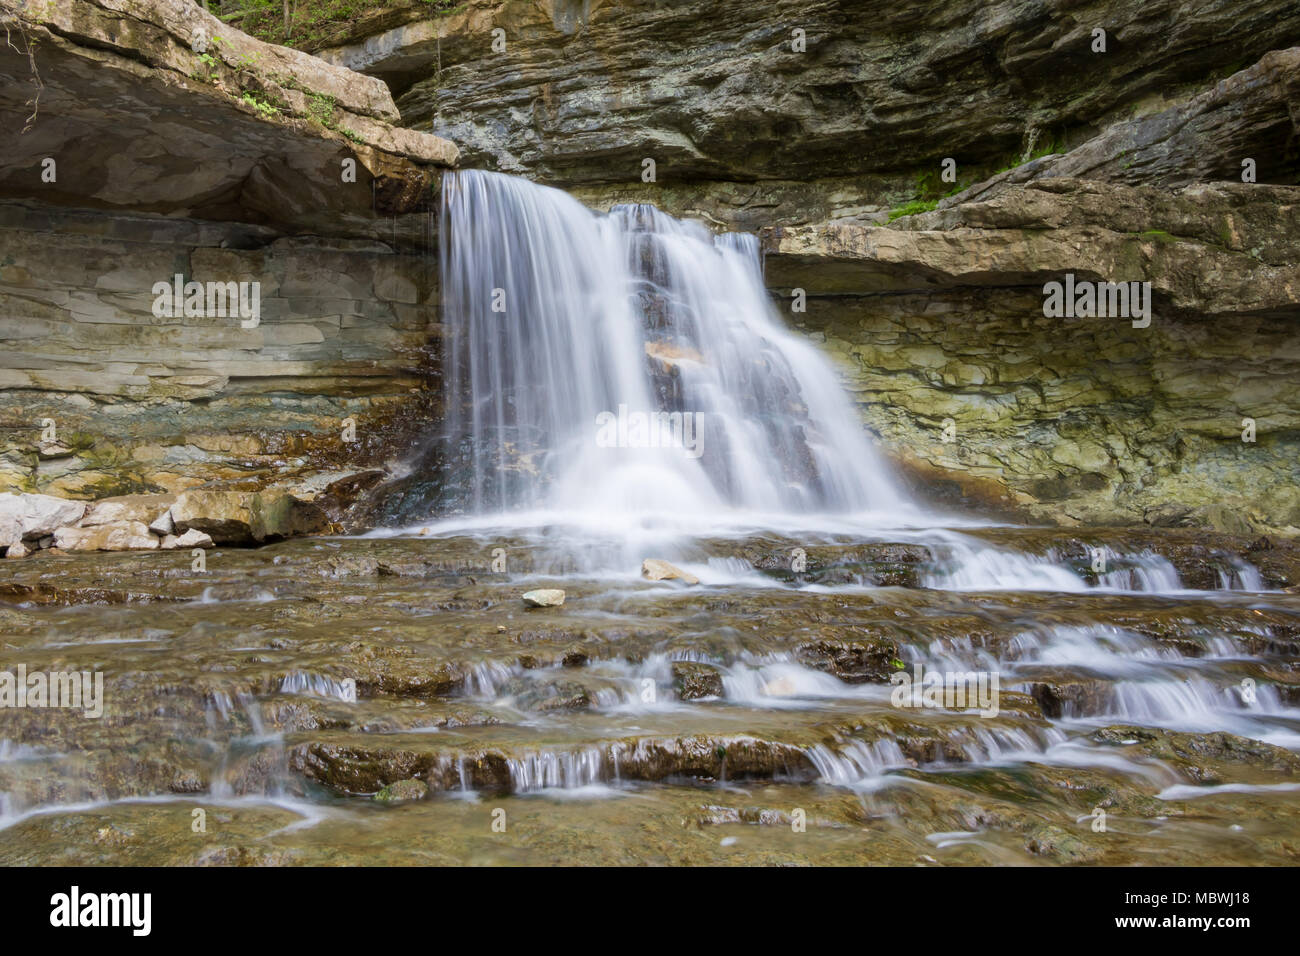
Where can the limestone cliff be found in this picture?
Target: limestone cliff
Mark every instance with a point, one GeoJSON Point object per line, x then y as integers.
{"type": "Point", "coordinates": [148, 140]}
{"type": "Point", "coordinates": [1110, 140]}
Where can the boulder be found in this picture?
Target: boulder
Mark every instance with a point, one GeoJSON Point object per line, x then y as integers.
{"type": "Point", "coordinates": [194, 538]}
{"type": "Point", "coordinates": [244, 517]}
{"type": "Point", "coordinates": [544, 597]}
{"type": "Point", "coordinates": [226, 516]}
{"type": "Point", "coordinates": [118, 536]}
{"type": "Point", "coordinates": [143, 508]}
{"type": "Point", "coordinates": [653, 569]}
{"type": "Point", "coordinates": [18, 550]}
{"type": "Point", "coordinates": [279, 514]}
{"type": "Point", "coordinates": [694, 680]}
{"type": "Point", "coordinates": [163, 524]}
{"type": "Point", "coordinates": [11, 530]}
{"type": "Point", "coordinates": [403, 791]}
{"type": "Point", "coordinates": [34, 516]}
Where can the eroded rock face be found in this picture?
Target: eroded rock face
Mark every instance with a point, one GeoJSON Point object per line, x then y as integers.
{"type": "Point", "coordinates": [728, 94]}
{"type": "Point", "coordinates": [934, 319]}
{"type": "Point", "coordinates": [166, 143]}
{"type": "Point", "coordinates": [1248, 118]}
{"type": "Point", "coordinates": [253, 132]}
{"type": "Point", "coordinates": [240, 517]}
{"type": "Point", "coordinates": [937, 318]}
{"type": "Point", "coordinates": [156, 403]}
{"type": "Point", "coordinates": [937, 324]}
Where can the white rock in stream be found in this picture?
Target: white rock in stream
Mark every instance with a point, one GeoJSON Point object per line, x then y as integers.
{"type": "Point", "coordinates": [544, 597]}
{"type": "Point", "coordinates": [653, 569]}
{"type": "Point", "coordinates": [194, 538]}
{"type": "Point", "coordinates": [34, 516]}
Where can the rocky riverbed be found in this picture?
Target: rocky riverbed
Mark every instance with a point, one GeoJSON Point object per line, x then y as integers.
{"type": "Point", "coordinates": [349, 700]}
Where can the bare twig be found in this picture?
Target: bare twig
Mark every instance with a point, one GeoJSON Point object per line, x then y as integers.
{"type": "Point", "coordinates": [30, 53]}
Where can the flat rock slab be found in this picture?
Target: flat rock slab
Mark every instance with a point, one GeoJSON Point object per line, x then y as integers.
{"type": "Point", "coordinates": [544, 597]}
{"type": "Point", "coordinates": [118, 536]}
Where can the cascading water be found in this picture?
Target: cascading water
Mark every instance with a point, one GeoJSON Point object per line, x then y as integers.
{"type": "Point", "coordinates": [627, 376]}
{"type": "Point", "coordinates": [631, 365]}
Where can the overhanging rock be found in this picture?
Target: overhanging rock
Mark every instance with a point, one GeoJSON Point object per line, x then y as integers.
{"type": "Point", "coordinates": [157, 106]}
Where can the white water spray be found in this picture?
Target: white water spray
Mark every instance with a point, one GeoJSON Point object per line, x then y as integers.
{"type": "Point", "coordinates": [631, 366]}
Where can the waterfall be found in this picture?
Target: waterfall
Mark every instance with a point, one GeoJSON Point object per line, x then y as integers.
{"type": "Point", "coordinates": [627, 376]}
{"type": "Point", "coordinates": [628, 365]}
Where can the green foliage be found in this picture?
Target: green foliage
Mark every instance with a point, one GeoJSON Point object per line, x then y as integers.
{"type": "Point", "coordinates": [929, 191]}
{"type": "Point", "coordinates": [1054, 146]}
{"type": "Point", "coordinates": [912, 208]}
{"type": "Point", "coordinates": [208, 73]}
{"type": "Point", "coordinates": [264, 108]}
{"type": "Point", "coordinates": [320, 108]}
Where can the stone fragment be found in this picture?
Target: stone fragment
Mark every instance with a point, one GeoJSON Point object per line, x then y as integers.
{"type": "Point", "coordinates": [653, 569]}
{"type": "Point", "coordinates": [119, 536]}
{"type": "Point", "coordinates": [544, 597]}
{"type": "Point", "coordinates": [142, 508]}
{"type": "Point", "coordinates": [34, 516]}
{"type": "Point", "coordinates": [194, 538]}
{"type": "Point", "coordinates": [163, 524]}
{"type": "Point", "coordinates": [403, 791]}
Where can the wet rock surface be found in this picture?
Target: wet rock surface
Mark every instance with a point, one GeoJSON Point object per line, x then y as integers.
{"type": "Point", "coordinates": [937, 326]}
{"type": "Point", "coordinates": [271, 688]}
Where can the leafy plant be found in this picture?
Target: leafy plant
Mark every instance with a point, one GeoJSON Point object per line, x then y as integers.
{"type": "Point", "coordinates": [262, 107]}
{"type": "Point", "coordinates": [912, 208]}
{"type": "Point", "coordinates": [320, 107]}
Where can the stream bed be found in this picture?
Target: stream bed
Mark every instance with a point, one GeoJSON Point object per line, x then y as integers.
{"type": "Point", "coordinates": [1146, 712]}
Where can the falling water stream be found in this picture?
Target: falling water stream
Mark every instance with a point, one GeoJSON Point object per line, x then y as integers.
{"type": "Point", "coordinates": [620, 387]}
{"type": "Point", "coordinates": [561, 319]}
